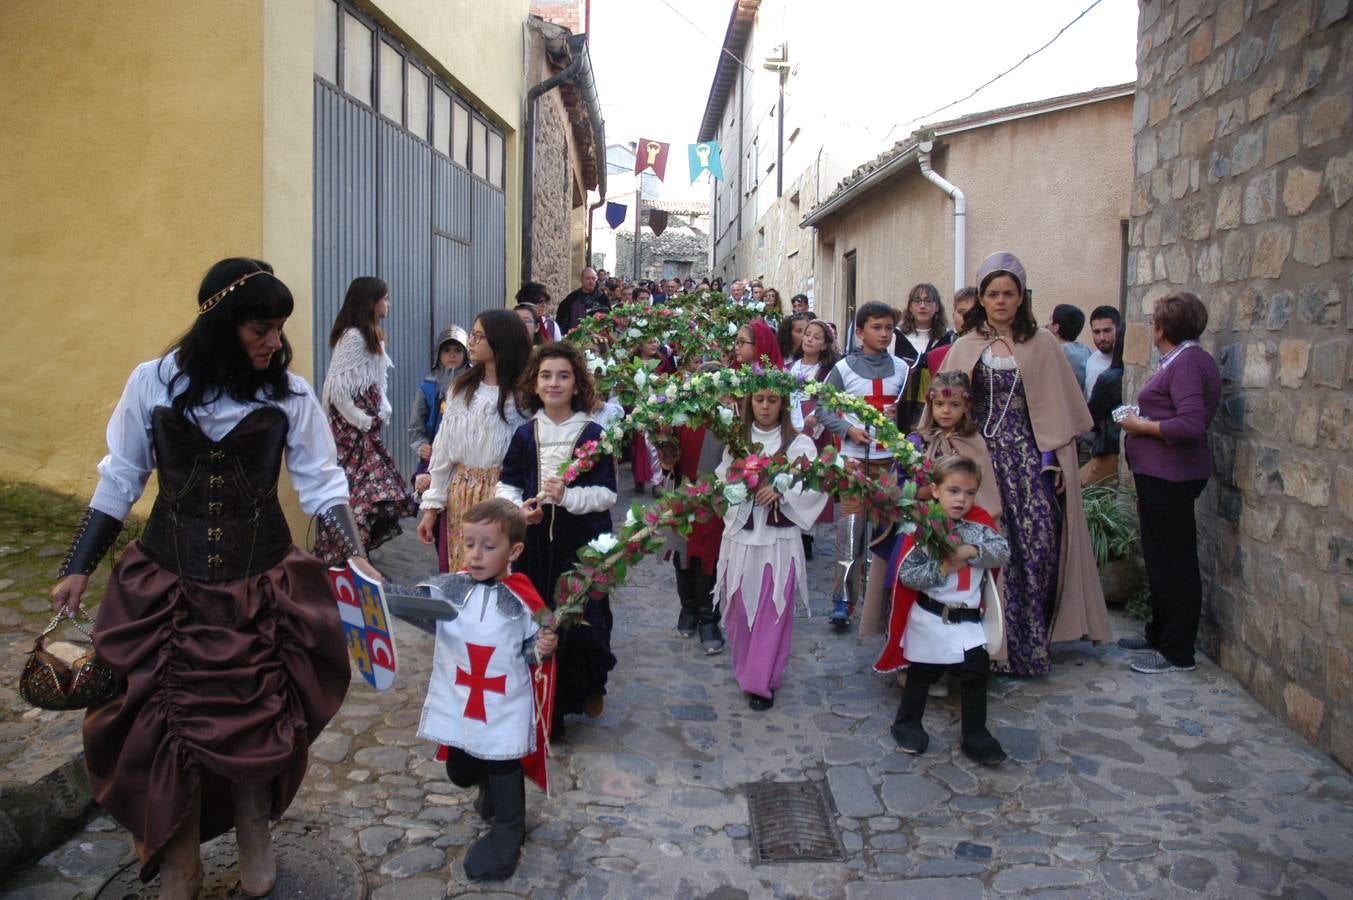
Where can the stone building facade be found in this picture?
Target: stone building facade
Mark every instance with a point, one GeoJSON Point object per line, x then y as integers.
{"type": "Point", "coordinates": [1243, 175]}
{"type": "Point", "coordinates": [678, 252]}
{"type": "Point", "coordinates": [566, 159]}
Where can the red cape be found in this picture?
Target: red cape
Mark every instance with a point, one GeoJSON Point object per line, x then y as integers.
{"type": "Point", "coordinates": [542, 682]}
{"type": "Point", "coordinates": [892, 657]}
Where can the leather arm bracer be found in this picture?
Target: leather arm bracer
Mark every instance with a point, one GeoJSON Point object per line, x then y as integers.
{"type": "Point", "coordinates": [93, 538]}
{"type": "Point", "coordinates": [340, 521]}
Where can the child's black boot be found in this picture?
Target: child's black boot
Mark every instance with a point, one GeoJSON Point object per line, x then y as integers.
{"type": "Point", "coordinates": [494, 856]}
{"type": "Point", "coordinates": [979, 744]}
{"type": "Point", "coordinates": [907, 728]}
{"type": "Point", "coordinates": [689, 617]}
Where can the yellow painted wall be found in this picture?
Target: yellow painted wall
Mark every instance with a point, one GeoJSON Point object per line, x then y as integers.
{"type": "Point", "coordinates": [131, 160]}
{"type": "Point", "coordinates": [144, 141]}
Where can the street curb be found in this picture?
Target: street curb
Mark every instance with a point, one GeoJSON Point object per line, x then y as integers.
{"type": "Point", "coordinates": [37, 817]}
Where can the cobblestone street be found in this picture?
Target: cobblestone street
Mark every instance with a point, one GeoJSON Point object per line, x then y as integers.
{"type": "Point", "coordinates": [1118, 784]}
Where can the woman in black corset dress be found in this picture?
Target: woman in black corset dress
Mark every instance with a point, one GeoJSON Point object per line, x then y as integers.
{"type": "Point", "coordinates": [224, 634]}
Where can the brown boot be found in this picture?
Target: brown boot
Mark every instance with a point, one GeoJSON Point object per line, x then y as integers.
{"type": "Point", "coordinates": [181, 865]}
{"type": "Point", "coordinates": [258, 863]}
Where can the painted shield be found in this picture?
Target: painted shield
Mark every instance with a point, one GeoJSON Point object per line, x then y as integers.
{"type": "Point", "coordinates": [366, 624]}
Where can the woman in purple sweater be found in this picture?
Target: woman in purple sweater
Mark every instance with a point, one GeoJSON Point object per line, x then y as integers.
{"type": "Point", "coordinates": [1168, 454]}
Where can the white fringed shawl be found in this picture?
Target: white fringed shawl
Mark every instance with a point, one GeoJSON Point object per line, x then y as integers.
{"type": "Point", "coordinates": [352, 370]}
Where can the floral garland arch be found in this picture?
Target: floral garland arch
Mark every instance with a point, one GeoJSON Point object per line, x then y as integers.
{"type": "Point", "coordinates": [697, 400]}
{"type": "Point", "coordinates": [693, 326]}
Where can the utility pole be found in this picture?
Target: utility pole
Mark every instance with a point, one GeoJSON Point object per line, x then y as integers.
{"type": "Point", "coordinates": [637, 224]}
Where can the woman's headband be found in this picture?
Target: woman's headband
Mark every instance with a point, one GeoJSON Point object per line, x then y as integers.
{"type": "Point", "coordinates": [209, 304]}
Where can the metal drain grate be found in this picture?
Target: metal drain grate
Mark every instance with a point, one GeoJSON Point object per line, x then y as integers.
{"type": "Point", "coordinates": [792, 822]}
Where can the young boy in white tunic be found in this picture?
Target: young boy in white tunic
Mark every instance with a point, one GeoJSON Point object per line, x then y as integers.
{"type": "Point", "coordinates": [937, 620]}
{"type": "Point", "coordinates": [482, 704]}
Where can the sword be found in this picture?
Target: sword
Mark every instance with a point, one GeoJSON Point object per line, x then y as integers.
{"type": "Point", "coordinates": [440, 597]}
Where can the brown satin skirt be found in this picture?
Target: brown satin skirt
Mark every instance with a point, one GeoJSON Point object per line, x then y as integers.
{"type": "Point", "coordinates": [224, 683]}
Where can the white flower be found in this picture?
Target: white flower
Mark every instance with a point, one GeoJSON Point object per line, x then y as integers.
{"type": "Point", "coordinates": [725, 415]}
{"type": "Point", "coordinates": [839, 461]}
{"type": "Point", "coordinates": [735, 493]}
{"type": "Point", "coordinates": [630, 521]}
{"type": "Point", "coordinates": [634, 333]}
{"type": "Point", "coordinates": [906, 526]}
{"type": "Point", "coordinates": [621, 353]}
{"type": "Point", "coordinates": [679, 419]}
{"type": "Point", "coordinates": [642, 323]}
{"type": "Point", "coordinates": [641, 378]}
{"type": "Point", "coordinates": [705, 295]}
{"type": "Point", "coordinates": [732, 329]}
{"type": "Point", "coordinates": [757, 305]}
{"type": "Point", "coordinates": [811, 388]}
{"type": "Point", "coordinates": [604, 544]}
{"type": "Point", "coordinates": [782, 483]}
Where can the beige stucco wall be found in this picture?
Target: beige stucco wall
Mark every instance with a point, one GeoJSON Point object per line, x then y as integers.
{"type": "Point", "coordinates": [1054, 189]}
{"type": "Point", "coordinates": [140, 146]}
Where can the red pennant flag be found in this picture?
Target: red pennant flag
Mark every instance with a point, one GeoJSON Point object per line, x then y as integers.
{"type": "Point", "coordinates": [657, 220]}
{"type": "Point", "coordinates": [651, 155]}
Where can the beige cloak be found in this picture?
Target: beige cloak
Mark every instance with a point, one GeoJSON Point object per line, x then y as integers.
{"type": "Point", "coordinates": [1058, 413]}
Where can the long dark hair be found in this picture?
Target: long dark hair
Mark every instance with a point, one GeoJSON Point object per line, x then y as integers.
{"type": "Point", "coordinates": [784, 335]}
{"type": "Point", "coordinates": [938, 325]}
{"type": "Point", "coordinates": [211, 358]}
{"type": "Point", "coordinates": [1025, 325]}
{"type": "Point", "coordinates": [511, 348]}
{"type": "Point", "coordinates": [582, 401]}
{"type": "Point", "coordinates": [829, 356]}
{"type": "Point", "coordinates": [359, 311]}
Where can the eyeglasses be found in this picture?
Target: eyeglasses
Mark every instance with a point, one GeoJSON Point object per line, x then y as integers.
{"type": "Point", "coordinates": [923, 301]}
{"type": "Point", "coordinates": [743, 342]}
{"type": "Point", "coordinates": [477, 336]}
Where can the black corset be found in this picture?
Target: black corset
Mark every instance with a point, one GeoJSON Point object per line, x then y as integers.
{"type": "Point", "coordinates": [217, 517]}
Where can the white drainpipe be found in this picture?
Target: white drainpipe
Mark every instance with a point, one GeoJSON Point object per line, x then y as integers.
{"type": "Point", "coordinates": [960, 211]}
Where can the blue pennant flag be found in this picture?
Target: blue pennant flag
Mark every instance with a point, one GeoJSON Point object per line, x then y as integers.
{"type": "Point", "coordinates": [615, 214]}
{"type": "Point", "coordinates": [705, 158]}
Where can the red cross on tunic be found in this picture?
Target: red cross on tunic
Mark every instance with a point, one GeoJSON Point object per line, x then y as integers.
{"type": "Point", "coordinates": [478, 684]}
{"type": "Point", "coordinates": [878, 400]}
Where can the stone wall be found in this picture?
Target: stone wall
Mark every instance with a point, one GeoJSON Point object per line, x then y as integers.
{"type": "Point", "coordinates": [678, 242]}
{"type": "Point", "coordinates": [1244, 171]}
{"type": "Point", "coordinates": [552, 261]}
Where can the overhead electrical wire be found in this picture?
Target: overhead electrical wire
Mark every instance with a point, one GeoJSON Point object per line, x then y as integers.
{"type": "Point", "coordinates": [989, 82]}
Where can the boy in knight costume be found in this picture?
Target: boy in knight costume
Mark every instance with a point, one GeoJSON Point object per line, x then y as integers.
{"type": "Point", "coordinates": [487, 704]}
{"type": "Point", "coordinates": [878, 377]}
{"type": "Point", "coordinates": [936, 622]}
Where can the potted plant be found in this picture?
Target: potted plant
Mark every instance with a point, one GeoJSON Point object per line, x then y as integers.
{"type": "Point", "coordinates": [1111, 514]}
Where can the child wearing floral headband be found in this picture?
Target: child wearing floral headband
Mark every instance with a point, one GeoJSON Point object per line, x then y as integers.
{"type": "Point", "coordinates": [761, 565]}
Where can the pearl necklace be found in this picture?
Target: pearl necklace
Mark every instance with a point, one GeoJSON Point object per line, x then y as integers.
{"type": "Point", "coordinates": [988, 430]}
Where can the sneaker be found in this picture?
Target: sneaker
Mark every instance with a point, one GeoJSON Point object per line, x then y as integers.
{"type": "Point", "coordinates": [840, 613]}
{"type": "Point", "coordinates": [1155, 664]}
{"type": "Point", "coordinates": [1134, 644]}
{"type": "Point", "coordinates": [711, 638]}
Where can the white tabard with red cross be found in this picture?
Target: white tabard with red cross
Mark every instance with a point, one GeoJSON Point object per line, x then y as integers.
{"type": "Point", "coordinates": [479, 697]}
{"type": "Point", "coordinates": [878, 393]}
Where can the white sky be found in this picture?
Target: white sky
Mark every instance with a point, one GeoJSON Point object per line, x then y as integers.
{"type": "Point", "coordinates": [654, 69]}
